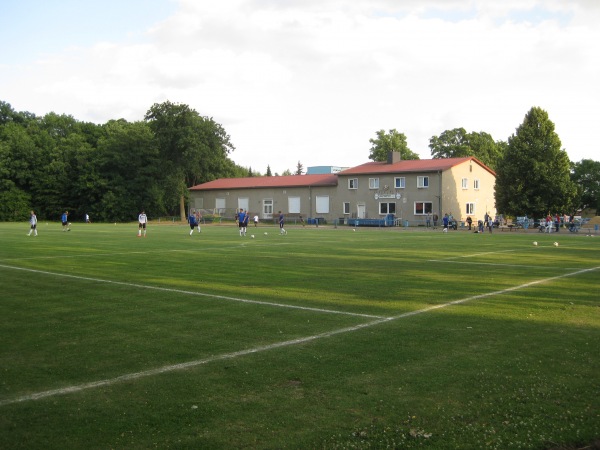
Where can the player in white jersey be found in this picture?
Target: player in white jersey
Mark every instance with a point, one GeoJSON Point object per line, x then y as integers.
{"type": "Point", "coordinates": [142, 221]}
{"type": "Point", "coordinates": [33, 224]}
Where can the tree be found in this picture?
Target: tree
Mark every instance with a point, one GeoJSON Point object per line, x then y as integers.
{"type": "Point", "coordinates": [458, 143]}
{"type": "Point", "coordinates": [286, 172]}
{"type": "Point", "coordinates": [533, 175]}
{"type": "Point", "coordinates": [586, 176]}
{"type": "Point", "coordinates": [193, 149]}
{"type": "Point", "coordinates": [393, 141]}
{"type": "Point", "coordinates": [269, 174]}
{"type": "Point", "coordinates": [299, 168]}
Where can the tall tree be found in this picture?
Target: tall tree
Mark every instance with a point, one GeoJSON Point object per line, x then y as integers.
{"type": "Point", "coordinates": [193, 149]}
{"type": "Point", "coordinates": [533, 175]}
{"type": "Point", "coordinates": [269, 174]}
{"type": "Point", "coordinates": [299, 168]}
{"type": "Point", "coordinates": [458, 143]}
{"type": "Point", "coordinates": [586, 176]}
{"type": "Point", "coordinates": [392, 141]}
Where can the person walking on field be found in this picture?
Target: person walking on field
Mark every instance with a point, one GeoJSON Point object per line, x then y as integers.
{"type": "Point", "coordinates": [242, 221]}
{"type": "Point", "coordinates": [255, 220]}
{"type": "Point", "coordinates": [142, 221]}
{"type": "Point", "coordinates": [281, 224]}
{"type": "Point", "coordinates": [246, 220]}
{"type": "Point", "coordinates": [198, 220]}
{"type": "Point", "coordinates": [192, 221]}
{"type": "Point", "coordinates": [66, 226]}
{"type": "Point", "coordinates": [33, 224]}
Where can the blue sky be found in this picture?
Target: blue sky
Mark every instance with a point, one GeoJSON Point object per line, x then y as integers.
{"type": "Point", "coordinates": [32, 28]}
{"type": "Point", "coordinates": [311, 80]}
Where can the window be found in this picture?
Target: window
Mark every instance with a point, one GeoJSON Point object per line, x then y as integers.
{"type": "Point", "coordinates": [353, 183]}
{"type": "Point", "coordinates": [220, 205]}
{"type": "Point", "coordinates": [267, 207]}
{"type": "Point", "coordinates": [423, 208]}
{"type": "Point", "coordinates": [465, 183]}
{"type": "Point", "coordinates": [243, 203]}
{"type": "Point", "coordinates": [387, 208]}
{"type": "Point", "coordinates": [476, 184]}
{"type": "Point", "coordinates": [294, 205]}
{"type": "Point", "coordinates": [470, 208]}
{"type": "Point", "coordinates": [322, 204]}
{"type": "Point", "coordinates": [422, 182]}
{"type": "Point", "coordinates": [399, 182]}
{"type": "Point", "coordinates": [373, 183]}
{"type": "Point", "coordinates": [346, 207]}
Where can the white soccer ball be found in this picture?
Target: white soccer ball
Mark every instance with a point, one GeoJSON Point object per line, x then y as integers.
{"type": "Point", "coordinates": [534, 243]}
{"type": "Point", "coordinates": [265, 233]}
{"type": "Point", "coordinates": [556, 244]}
{"type": "Point", "coordinates": [353, 229]}
{"type": "Point", "coordinates": [252, 236]}
{"type": "Point", "coordinates": [445, 230]}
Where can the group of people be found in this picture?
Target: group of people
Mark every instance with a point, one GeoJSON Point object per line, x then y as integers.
{"type": "Point", "coordinates": [33, 221]}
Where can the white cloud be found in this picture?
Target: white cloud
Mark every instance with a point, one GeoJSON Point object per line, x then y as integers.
{"type": "Point", "coordinates": [313, 81]}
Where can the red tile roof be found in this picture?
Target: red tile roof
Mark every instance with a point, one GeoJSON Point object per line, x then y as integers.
{"type": "Point", "coordinates": [288, 181]}
{"type": "Point", "coordinates": [411, 165]}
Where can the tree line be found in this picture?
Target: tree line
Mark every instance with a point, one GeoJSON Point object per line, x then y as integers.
{"type": "Point", "coordinates": [111, 171]}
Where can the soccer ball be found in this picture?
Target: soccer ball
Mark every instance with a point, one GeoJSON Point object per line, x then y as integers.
{"type": "Point", "coordinates": [556, 244]}
{"type": "Point", "coordinates": [265, 233]}
{"type": "Point", "coordinates": [353, 229]}
{"type": "Point", "coordinates": [445, 230]}
{"type": "Point", "coordinates": [252, 236]}
{"type": "Point", "coordinates": [534, 243]}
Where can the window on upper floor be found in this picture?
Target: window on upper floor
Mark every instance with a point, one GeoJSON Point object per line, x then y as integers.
{"type": "Point", "coordinates": [373, 183]}
{"type": "Point", "coordinates": [422, 182]}
{"type": "Point", "coordinates": [399, 182]}
{"type": "Point", "coordinates": [353, 183]}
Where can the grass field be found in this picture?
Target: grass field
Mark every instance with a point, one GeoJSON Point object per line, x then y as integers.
{"type": "Point", "coordinates": [324, 338]}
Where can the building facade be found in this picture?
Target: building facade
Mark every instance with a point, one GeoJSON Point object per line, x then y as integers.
{"type": "Point", "coordinates": [409, 189]}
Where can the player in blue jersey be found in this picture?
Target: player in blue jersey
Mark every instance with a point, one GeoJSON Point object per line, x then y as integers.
{"type": "Point", "coordinates": [242, 221]}
{"type": "Point", "coordinates": [64, 219]}
{"type": "Point", "coordinates": [192, 221]}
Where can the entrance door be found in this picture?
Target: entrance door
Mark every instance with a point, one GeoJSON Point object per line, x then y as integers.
{"type": "Point", "coordinates": [361, 210]}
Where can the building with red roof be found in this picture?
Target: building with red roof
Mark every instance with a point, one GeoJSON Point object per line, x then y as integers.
{"type": "Point", "coordinates": [411, 190]}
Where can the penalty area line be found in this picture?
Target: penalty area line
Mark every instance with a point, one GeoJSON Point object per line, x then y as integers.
{"type": "Point", "coordinates": [186, 365]}
{"type": "Point", "coordinates": [199, 294]}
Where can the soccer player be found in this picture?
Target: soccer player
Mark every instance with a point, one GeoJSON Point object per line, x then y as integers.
{"type": "Point", "coordinates": [242, 221]}
{"type": "Point", "coordinates": [192, 221]}
{"type": "Point", "coordinates": [281, 223]}
{"type": "Point", "coordinates": [33, 224]}
{"type": "Point", "coordinates": [198, 220]}
{"type": "Point", "coordinates": [142, 221]}
{"type": "Point", "coordinates": [246, 220]}
{"type": "Point", "coordinates": [66, 226]}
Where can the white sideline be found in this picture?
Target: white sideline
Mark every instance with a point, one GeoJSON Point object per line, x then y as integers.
{"type": "Point", "coordinates": [186, 365]}
{"type": "Point", "coordinates": [200, 294]}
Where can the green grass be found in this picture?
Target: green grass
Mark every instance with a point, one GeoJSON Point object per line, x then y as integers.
{"type": "Point", "coordinates": [324, 338]}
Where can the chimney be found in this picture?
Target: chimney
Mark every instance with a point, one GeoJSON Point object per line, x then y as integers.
{"type": "Point", "coordinates": [393, 157]}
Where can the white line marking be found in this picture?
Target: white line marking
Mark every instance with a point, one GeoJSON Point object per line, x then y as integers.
{"type": "Point", "coordinates": [186, 365]}
{"type": "Point", "coordinates": [200, 294]}
{"type": "Point", "coordinates": [531, 266]}
{"type": "Point", "coordinates": [450, 258]}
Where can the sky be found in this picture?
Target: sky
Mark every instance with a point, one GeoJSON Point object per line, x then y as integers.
{"type": "Point", "coordinates": [311, 81]}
